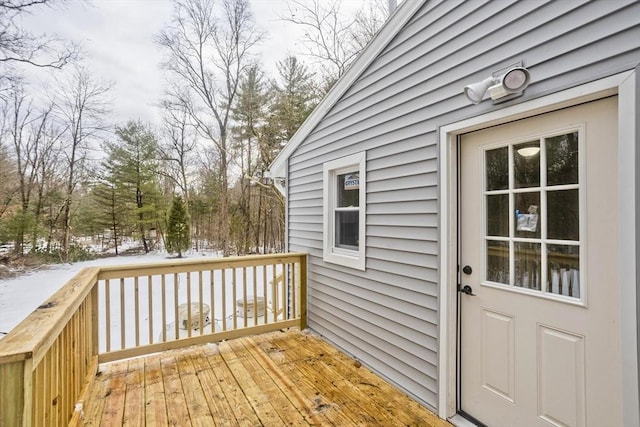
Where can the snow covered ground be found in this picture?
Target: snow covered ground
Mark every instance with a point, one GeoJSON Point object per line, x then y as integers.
{"type": "Point", "coordinates": [21, 295]}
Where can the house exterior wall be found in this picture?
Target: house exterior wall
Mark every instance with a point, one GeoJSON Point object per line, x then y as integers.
{"type": "Point", "coordinates": [387, 315]}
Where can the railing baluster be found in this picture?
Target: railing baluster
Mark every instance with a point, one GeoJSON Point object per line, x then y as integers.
{"type": "Point", "coordinates": [224, 298]}
{"type": "Point", "coordinates": [189, 305]}
{"type": "Point", "coordinates": [107, 312]}
{"type": "Point", "coordinates": [39, 397]}
{"type": "Point", "coordinates": [256, 307]}
{"type": "Point", "coordinates": [244, 295]}
{"type": "Point", "coordinates": [150, 298]}
{"type": "Point", "coordinates": [53, 385]}
{"type": "Point", "coordinates": [274, 292]}
{"type": "Point", "coordinates": [283, 308]}
{"type": "Point", "coordinates": [292, 286]}
{"type": "Point", "coordinates": [122, 310]}
{"type": "Point", "coordinates": [235, 298]}
{"type": "Point", "coordinates": [201, 306]}
{"type": "Point", "coordinates": [175, 306]}
{"type": "Point", "coordinates": [264, 295]}
{"type": "Point", "coordinates": [75, 332]}
{"type": "Point", "coordinates": [163, 283]}
{"type": "Point", "coordinates": [213, 305]}
{"type": "Point", "coordinates": [136, 300]}
{"type": "Point", "coordinates": [60, 377]}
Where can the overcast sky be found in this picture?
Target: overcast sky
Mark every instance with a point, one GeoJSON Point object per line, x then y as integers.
{"type": "Point", "coordinates": [118, 39]}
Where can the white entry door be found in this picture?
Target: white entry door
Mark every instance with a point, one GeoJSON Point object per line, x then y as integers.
{"type": "Point", "coordinates": [540, 322]}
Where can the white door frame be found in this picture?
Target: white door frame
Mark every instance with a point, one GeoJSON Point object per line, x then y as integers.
{"type": "Point", "coordinates": [624, 86]}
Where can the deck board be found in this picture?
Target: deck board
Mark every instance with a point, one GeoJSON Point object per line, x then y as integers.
{"type": "Point", "coordinates": [156, 407]}
{"type": "Point", "coordinates": [134, 410]}
{"type": "Point", "coordinates": [281, 378]}
{"type": "Point", "coordinates": [177, 411]}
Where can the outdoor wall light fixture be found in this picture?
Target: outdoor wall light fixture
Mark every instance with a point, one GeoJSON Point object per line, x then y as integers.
{"type": "Point", "coordinates": [503, 85]}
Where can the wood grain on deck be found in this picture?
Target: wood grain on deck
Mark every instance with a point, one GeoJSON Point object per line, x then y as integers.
{"type": "Point", "coordinates": [288, 378]}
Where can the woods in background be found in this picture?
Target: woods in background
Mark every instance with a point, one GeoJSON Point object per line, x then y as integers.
{"type": "Point", "coordinates": [71, 178]}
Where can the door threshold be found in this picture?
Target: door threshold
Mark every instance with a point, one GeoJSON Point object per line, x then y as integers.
{"type": "Point", "coordinates": [460, 420]}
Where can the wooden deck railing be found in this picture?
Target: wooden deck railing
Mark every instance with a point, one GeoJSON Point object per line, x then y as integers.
{"type": "Point", "coordinates": [109, 313]}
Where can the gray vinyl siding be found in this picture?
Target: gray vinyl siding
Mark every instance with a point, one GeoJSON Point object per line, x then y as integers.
{"type": "Point", "coordinates": [387, 315]}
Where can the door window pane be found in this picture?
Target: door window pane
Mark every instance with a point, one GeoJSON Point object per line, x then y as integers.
{"type": "Point", "coordinates": [497, 167]}
{"type": "Point", "coordinates": [527, 213]}
{"type": "Point", "coordinates": [532, 208]}
{"type": "Point", "coordinates": [526, 162]}
{"type": "Point", "coordinates": [563, 215]}
{"type": "Point", "coordinates": [562, 159]}
{"type": "Point", "coordinates": [347, 227]}
{"type": "Point", "coordinates": [528, 262]}
{"type": "Point", "coordinates": [498, 262]}
{"type": "Point", "coordinates": [563, 277]}
{"type": "Point", "coordinates": [498, 215]}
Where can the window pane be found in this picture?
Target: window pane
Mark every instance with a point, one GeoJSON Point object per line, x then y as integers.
{"type": "Point", "coordinates": [498, 262]}
{"type": "Point", "coordinates": [562, 159]}
{"type": "Point", "coordinates": [347, 227]}
{"type": "Point", "coordinates": [528, 263]}
{"type": "Point", "coordinates": [348, 190]}
{"type": "Point", "coordinates": [527, 212]}
{"type": "Point", "coordinates": [497, 164]}
{"type": "Point", "coordinates": [498, 215]}
{"type": "Point", "coordinates": [564, 270]}
{"type": "Point", "coordinates": [526, 162]}
{"type": "Point", "coordinates": [563, 215]}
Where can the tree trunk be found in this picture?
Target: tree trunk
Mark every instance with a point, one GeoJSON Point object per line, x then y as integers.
{"type": "Point", "coordinates": [140, 204]}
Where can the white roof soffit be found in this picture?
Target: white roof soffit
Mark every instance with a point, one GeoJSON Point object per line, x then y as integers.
{"type": "Point", "coordinates": [394, 24]}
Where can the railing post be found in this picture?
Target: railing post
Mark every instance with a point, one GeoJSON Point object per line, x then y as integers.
{"type": "Point", "coordinates": [303, 292]}
{"type": "Point", "coordinates": [28, 392]}
{"type": "Point", "coordinates": [15, 397]}
{"type": "Point", "coordinates": [95, 332]}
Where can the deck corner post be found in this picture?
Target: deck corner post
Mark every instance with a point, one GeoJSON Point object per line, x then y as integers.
{"type": "Point", "coordinates": [303, 292]}
{"type": "Point", "coordinates": [15, 398]}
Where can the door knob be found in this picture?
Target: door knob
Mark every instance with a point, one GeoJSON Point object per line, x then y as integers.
{"type": "Point", "coordinates": [466, 289]}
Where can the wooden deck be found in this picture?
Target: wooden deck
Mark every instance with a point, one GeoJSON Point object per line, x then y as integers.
{"type": "Point", "coordinates": [281, 378]}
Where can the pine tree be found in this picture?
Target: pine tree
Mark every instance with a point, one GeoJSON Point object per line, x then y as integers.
{"type": "Point", "coordinates": [132, 170]}
{"type": "Point", "coordinates": [178, 233]}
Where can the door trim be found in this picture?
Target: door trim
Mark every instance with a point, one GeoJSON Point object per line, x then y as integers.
{"type": "Point", "coordinates": [624, 85]}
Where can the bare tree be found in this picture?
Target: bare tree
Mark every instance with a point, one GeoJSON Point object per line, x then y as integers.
{"type": "Point", "coordinates": [8, 166]}
{"type": "Point", "coordinates": [82, 106]}
{"type": "Point", "coordinates": [34, 143]}
{"type": "Point", "coordinates": [177, 147]}
{"type": "Point", "coordinates": [9, 187]}
{"type": "Point", "coordinates": [331, 37]}
{"type": "Point", "coordinates": [21, 114]}
{"type": "Point", "coordinates": [19, 45]}
{"type": "Point", "coordinates": [48, 169]}
{"type": "Point", "coordinates": [209, 56]}
{"type": "Point", "coordinates": [369, 20]}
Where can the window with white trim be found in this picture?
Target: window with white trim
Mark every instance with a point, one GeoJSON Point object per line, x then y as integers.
{"type": "Point", "coordinates": [344, 192]}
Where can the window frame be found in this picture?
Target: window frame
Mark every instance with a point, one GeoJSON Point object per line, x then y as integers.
{"type": "Point", "coordinates": [353, 258]}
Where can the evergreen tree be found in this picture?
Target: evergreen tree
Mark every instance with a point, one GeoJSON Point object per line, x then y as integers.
{"type": "Point", "coordinates": [178, 232]}
{"type": "Point", "coordinates": [131, 169]}
{"type": "Point", "coordinates": [249, 114]}
{"type": "Point", "coordinates": [112, 213]}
